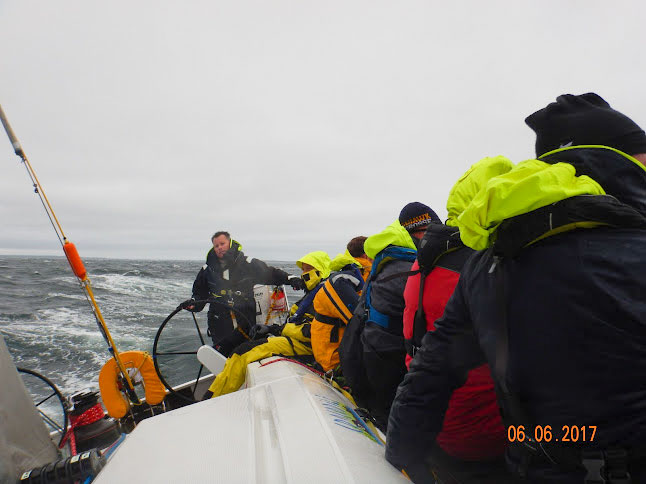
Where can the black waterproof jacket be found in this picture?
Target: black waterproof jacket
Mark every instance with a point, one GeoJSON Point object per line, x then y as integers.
{"type": "Point", "coordinates": [231, 280]}
{"type": "Point", "coordinates": [576, 309]}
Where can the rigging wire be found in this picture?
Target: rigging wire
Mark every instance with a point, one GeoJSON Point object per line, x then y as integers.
{"type": "Point", "coordinates": [73, 259]}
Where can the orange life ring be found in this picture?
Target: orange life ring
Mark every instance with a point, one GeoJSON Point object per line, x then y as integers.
{"type": "Point", "coordinates": [115, 402]}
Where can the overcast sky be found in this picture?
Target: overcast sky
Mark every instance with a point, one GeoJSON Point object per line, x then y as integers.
{"type": "Point", "coordinates": [293, 124]}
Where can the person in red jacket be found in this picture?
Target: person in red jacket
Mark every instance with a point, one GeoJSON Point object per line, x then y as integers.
{"type": "Point", "coordinates": [472, 442]}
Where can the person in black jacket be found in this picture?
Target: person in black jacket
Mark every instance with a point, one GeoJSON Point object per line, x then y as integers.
{"type": "Point", "coordinates": [555, 306]}
{"type": "Point", "coordinates": [228, 278]}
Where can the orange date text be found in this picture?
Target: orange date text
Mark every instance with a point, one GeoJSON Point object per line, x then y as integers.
{"type": "Point", "coordinates": [545, 433]}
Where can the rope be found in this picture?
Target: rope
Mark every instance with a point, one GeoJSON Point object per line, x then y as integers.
{"type": "Point", "coordinates": [313, 370]}
{"type": "Point", "coordinates": [271, 308]}
{"type": "Point", "coordinates": [91, 415]}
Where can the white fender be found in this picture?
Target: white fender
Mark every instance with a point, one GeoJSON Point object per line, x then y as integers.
{"type": "Point", "coordinates": [211, 359]}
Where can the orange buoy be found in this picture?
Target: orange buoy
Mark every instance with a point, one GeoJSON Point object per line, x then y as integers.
{"type": "Point", "coordinates": [75, 260]}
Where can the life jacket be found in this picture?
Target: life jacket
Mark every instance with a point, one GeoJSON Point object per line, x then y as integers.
{"type": "Point", "coordinates": [332, 314]}
{"type": "Point", "coordinates": [223, 276]}
{"type": "Point", "coordinates": [472, 428]}
{"type": "Point", "coordinates": [303, 309]}
{"type": "Point", "coordinates": [351, 346]}
{"type": "Point", "coordinates": [583, 211]}
{"type": "Point", "coordinates": [438, 242]}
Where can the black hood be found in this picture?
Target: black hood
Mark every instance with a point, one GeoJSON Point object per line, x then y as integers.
{"type": "Point", "coordinates": [615, 172]}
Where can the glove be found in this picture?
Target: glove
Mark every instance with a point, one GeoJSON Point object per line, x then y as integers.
{"type": "Point", "coordinates": [189, 305]}
{"type": "Point", "coordinates": [258, 331]}
{"type": "Point", "coordinates": [296, 282]}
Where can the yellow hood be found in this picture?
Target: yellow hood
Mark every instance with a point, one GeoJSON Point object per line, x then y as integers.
{"type": "Point", "coordinates": [394, 234]}
{"type": "Point", "coordinates": [319, 260]}
{"type": "Point", "coordinates": [342, 260]}
{"type": "Point", "coordinates": [527, 186]}
{"type": "Point", "coordinates": [469, 184]}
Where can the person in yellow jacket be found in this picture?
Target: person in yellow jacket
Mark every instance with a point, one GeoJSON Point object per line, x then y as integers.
{"type": "Point", "coordinates": [335, 302]}
{"type": "Point", "coordinates": [291, 339]}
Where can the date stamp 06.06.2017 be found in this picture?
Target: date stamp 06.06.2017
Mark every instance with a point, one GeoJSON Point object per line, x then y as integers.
{"type": "Point", "coordinates": [545, 433]}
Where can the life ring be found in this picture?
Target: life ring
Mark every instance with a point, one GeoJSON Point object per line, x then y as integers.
{"type": "Point", "coordinates": [114, 401]}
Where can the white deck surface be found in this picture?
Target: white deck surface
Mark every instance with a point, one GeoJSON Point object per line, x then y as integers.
{"type": "Point", "coordinates": [288, 426]}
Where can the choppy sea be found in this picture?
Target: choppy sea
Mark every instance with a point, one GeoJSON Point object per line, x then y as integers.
{"type": "Point", "coordinates": [49, 326]}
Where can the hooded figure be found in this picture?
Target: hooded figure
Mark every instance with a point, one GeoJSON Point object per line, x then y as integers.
{"type": "Point", "coordinates": [375, 366]}
{"type": "Point", "coordinates": [334, 305]}
{"type": "Point", "coordinates": [554, 303]}
{"type": "Point", "coordinates": [316, 268]}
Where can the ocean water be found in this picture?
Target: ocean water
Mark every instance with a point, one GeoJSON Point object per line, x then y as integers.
{"type": "Point", "coordinates": [49, 326]}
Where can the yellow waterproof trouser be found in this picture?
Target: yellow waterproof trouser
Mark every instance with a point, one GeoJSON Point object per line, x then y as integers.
{"type": "Point", "coordinates": [326, 351]}
{"type": "Point", "coordinates": [233, 375]}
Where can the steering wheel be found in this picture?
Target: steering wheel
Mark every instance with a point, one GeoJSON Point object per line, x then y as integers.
{"type": "Point", "coordinates": [175, 349]}
{"type": "Point", "coordinates": [42, 390]}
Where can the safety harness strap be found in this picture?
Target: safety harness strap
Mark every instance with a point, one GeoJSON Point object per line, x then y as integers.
{"type": "Point", "coordinates": [336, 323]}
{"type": "Point", "coordinates": [419, 322]}
{"type": "Point", "coordinates": [338, 303]}
{"type": "Point", "coordinates": [582, 211]}
{"type": "Point", "coordinates": [397, 275]}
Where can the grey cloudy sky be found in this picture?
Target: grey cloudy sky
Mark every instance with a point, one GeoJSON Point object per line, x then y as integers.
{"type": "Point", "coordinates": [294, 124]}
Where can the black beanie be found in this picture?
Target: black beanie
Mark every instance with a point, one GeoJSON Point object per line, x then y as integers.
{"type": "Point", "coordinates": [584, 120]}
{"type": "Point", "coordinates": [416, 215]}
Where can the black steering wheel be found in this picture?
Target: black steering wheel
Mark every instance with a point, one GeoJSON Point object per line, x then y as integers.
{"type": "Point", "coordinates": [42, 390]}
{"type": "Point", "coordinates": [189, 340]}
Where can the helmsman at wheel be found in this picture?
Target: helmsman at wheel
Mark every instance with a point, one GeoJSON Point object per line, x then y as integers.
{"type": "Point", "coordinates": [228, 278]}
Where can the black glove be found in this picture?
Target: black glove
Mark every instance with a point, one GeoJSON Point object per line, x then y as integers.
{"type": "Point", "coordinates": [276, 329]}
{"type": "Point", "coordinates": [189, 305]}
{"type": "Point", "coordinates": [296, 282]}
{"type": "Point", "coordinates": [258, 331]}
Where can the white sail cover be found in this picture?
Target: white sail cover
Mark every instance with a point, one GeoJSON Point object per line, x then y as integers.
{"type": "Point", "coordinates": [287, 426]}
{"type": "Point", "coordinates": [24, 439]}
